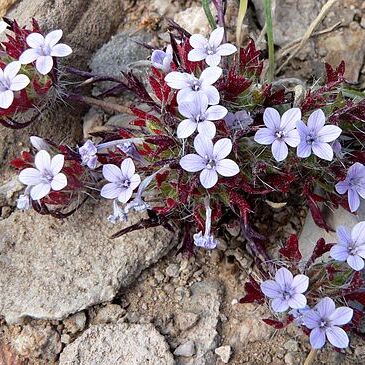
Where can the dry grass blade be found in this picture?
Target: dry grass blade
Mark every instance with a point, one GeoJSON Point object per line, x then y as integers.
{"type": "Point", "coordinates": [325, 9]}
{"type": "Point", "coordinates": [241, 15]}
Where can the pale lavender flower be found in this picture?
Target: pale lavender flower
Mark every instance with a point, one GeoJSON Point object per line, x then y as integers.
{"type": "Point", "coordinates": [10, 82]}
{"type": "Point", "coordinates": [46, 176]}
{"type": "Point", "coordinates": [129, 148]}
{"type": "Point", "coordinates": [315, 136]}
{"type": "Point", "coordinates": [39, 143]}
{"type": "Point", "coordinates": [324, 321]}
{"type": "Point", "coordinates": [162, 59]}
{"type": "Point", "coordinates": [199, 116]}
{"type": "Point", "coordinates": [23, 202]}
{"type": "Point", "coordinates": [354, 185]}
{"type": "Point", "coordinates": [298, 315]}
{"type": "Point", "coordinates": [350, 246]}
{"type": "Point", "coordinates": [210, 50]}
{"type": "Point", "coordinates": [286, 291]}
{"type": "Point", "coordinates": [42, 49]}
{"type": "Point", "coordinates": [123, 181]}
{"type": "Point", "coordinates": [279, 131]}
{"type": "Point", "coordinates": [188, 85]}
{"type": "Point", "coordinates": [239, 120]}
{"type": "Point", "coordinates": [207, 240]}
{"type": "Point", "coordinates": [119, 215]}
{"type": "Point", "coordinates": [88, 153]}
{"type": "Point", "coordinates": [211, 160]}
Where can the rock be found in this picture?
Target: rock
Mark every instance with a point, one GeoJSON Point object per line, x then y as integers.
{"type": "Point", "coordinates": [119, 54]}
{"type": "Point", "coordinates": [205, 301]}
{"type": "Point", "coordinates": [52, 268]}
{"type": "Point", "coordinates": [186, 320]}
{"type": "Point", "coordinates": [293, 358]}
{"type": "Point", "coordinates": [119, 344]}
{"type": "Point", "coordinates": [224, 352]}
{"type": "Point", "coordinates": [86, 26]}
{"type": "Point", "coordinates": [109, 313]}
{"type": "Point", "coordinates": [291, 345]}
{"type": "Point", "coordinates": [37, 342]}
{"type": "Point", "coordinates": [75, 323]}
{"type": "Point", "coordinates": [186, 349]}
{"type": "Point", "coordinates": [173, 271]}
{"type": "Point", "coordinates": [193, 19]}
{"type": "Point", "coordinates": [311, 233]}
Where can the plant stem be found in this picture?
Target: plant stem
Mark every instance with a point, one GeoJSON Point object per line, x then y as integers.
{"type": "Point", "coordinates": [241, 15]}
{"type": "Point", "coordinates": [311, 357]}
{"type": "Point", "coordinates": [208, 14]}
{"type": "Point", "coordinates": [270, 40]}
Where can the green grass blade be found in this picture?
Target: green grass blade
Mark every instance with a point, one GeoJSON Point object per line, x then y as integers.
{"type": "Point", "coordinates": [270, 40]}
{"type": "Point", "coordinates": [208, 14]}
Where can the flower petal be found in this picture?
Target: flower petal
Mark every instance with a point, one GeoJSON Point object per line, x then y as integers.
{"type": "Point", "coordinates": [316, 121]}
{"type": "Point", "coordinates": [358, 233]}
{"type": "Point", "coordinates": [226, 49]}
{"type": "Point", "coordinates": [323, 150]}
{"type": "Point", "coordinates": [311, 319]}
{"type": "Point", "coordinates": [28, 56]}
{"type": "Point", "coordinates": [11, 70]}
{"type": "Point", "coordinates": [317, 338]}
{"type": "Point", "coordinates": [297, 301]}
{"type": "Point", "coordinates": [59, 182]}
{"type": "Point", "coordinates": [135, 181]}
{"type": "Point", "coordinates": [185, 95]}
{"type": "Point", "coordinates": [42, 160]}
{"type": "Point", "coordinates": [222, 148]}
{"type": "Point", "coordinates": [197, 54]}
{"type": "Point", "coordinates": [186, 128]}
{"type": "Point", "coordinates": [213, 59]}
{"type": "Point", "coordinates": [6, 99]}
{"type": "Point", "coordinates": [19, 82]}
{"type": "Point", "coordinates": [284, 278]}
{"type": "Point", "coordinates": [303, 130]}
{"type": "Point", "coordinates": [329, 133]}
{"type": "Point", "coordinates": [112, 173]}
{"type": "Point", "coordinates": [44, 64]}
{"type": "Point", "coordinates": [339, 253]}
{"type": "Point", "coordinates": [177, 80]}
{"type": "Point", "coordinates": [127, 167]}
{"type": "Point", "coordinates": [341, 316]}
{"type": "Point", "coordinates": [344, 235]}
{"type": "Point", "coordinates": [61, 50]}
{"type": "Point", "coordinates": [212, 94]}
{"type": "Point", "coordinates": [192, 163]}
{"type": "Point", "coordinates": [203, 145]}
{"type": "Point", "coordinates": [210, 75]}
{"type": "Point", "coordinates": [272, 118]}
{"type": "Point", "coordinates": [30, 176]}
{"type": "Point", "coordinates": [290, 118]}
{"type": "Point", "coordinates": [279, 305]}
{"type": "Point", "coordinates": [292, 138]}
{"type": "Point", "coordinates": [208, 178]}
{"type": "Point", "coordinates": [337, 337]}
{"type": "Point", "coordinates": [300, 283]}
{"type": "Point", "coordinates": [53, 37]}
{"type": "Point", "coordinates": [216, 37]}
{"type": "Point", "coordinates": [342, 187]}
{"type": "Point", "coordinates": [325, 307]}
{"type": "Point", "coordinates": [279, 150]}
{"type": "Point", "coordinates": [198, 41]}
{"type": "Point", "coordinates": [125, 195]}
{"type": "Point", "coordinates": [265, 136]}
{"type": "Point", "coordinates": [355, 262]}
{"type": "Point", "coordinates": [40, 191]}
{"type": "Point", "coordinates": [353, 200]}
{"type": "Point", "coordinates": [271, 289]}
{"type": "Point", "coordinates": [216, 112]}
{"type": "Point", "coordinates": [227, 168]}
{"type": "Point", "coordinates": [207, 129]}
{"type": "Point", "coordinates": [35, 40]}
{"type": "Point", "coordinates": [110, 191]}
{"type": "Point", "coordinates": [57, 163]}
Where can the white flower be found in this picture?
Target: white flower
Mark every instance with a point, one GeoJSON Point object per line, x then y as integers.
{"type": "Point", "coordinates": [42, 49]}
{"type": "Point", "coordinates": [46, 176]}
{"type": "Point", "coordinates": [207, 240]}
{"type": "Point", "coordinates": [123, 181]}
{"type": "Point", "coordinates": [210, 50]}
{"type": "Point", "coordinates": [199, 116]}
{"type": "Point", "coordinates": [189, 85]}
{"type": "Point", "coordinates": [39, 143]}
{"type": "Point", "coordinates": [23, 202]}
{"type": "Point", "coordinates": [211, 159]}
{"type": "Point", "coordinates": [88, 153]}
{"type": "Point", "coordinates": [3, 26]}
{"type": "Point", "coordinates": [118, 214]}
{"type": "Point", "coordinates": [10, 81]}
{"type": "Point", "coordinates": [162, 60]}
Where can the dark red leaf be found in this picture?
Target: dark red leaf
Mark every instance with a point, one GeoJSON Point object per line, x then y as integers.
{"type": "Point", "coordinates": [291, 249]}
{"type": "Point", "coordinates": [320, 248]}
{"type": "Point", "coordinates": [253, 292]}
{"type": "Point", "coordinates": [279, 324]}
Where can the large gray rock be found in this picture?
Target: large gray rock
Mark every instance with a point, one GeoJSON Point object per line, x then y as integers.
{"type": "Point", "coordinates": [51, 268]}
{"type": "Point", "coordinates": [118, 344]}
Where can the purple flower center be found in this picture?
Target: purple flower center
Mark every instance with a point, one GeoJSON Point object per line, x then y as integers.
{"type": "Point", "coordinates": [45, 50]}
{"type": "Point", "coordinates": [352, 248]}
{"type": "Point", "coordinates": [324, 323]}
{"type": "Point", "coordinates": [280, 134]}
{"type": "Point", "coordinates": [125, 184]}
{"type": "Point", "coordinates": [210, 163]}
{"type": "Point", "coordinates": [196, 85]}
{"type": "Point", "coordinates": [47, 176]}
{"type": "Point", "coordinates": [200, 118]}
{"type": "Point", "coordinates": [4, 85]}
{"type": "Point", "coordinates": [288, 293]}
{"type": "Point", "coordinates": [311, 138]}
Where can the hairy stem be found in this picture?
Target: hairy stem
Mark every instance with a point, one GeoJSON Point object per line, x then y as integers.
{"type": "Point", "coordinates": [270, 40]}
